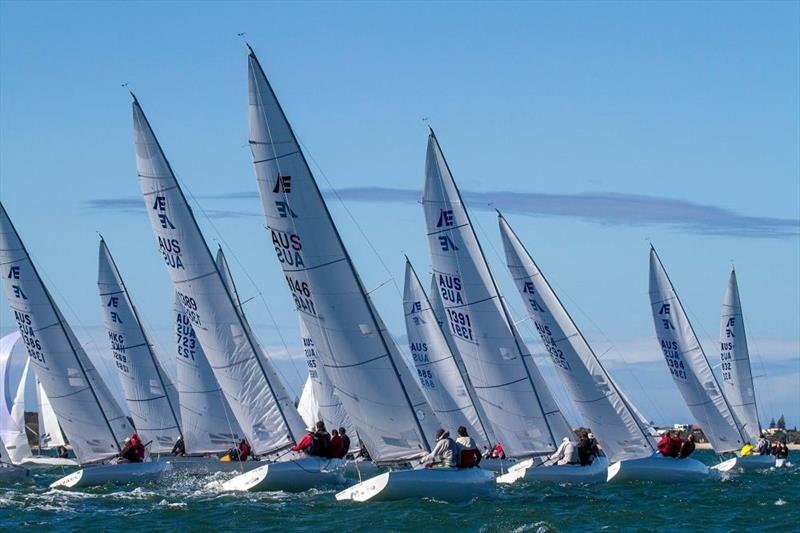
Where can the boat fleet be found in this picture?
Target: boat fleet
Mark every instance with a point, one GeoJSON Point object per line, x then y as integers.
{"type": "Point", "coordinates": [471, 366]}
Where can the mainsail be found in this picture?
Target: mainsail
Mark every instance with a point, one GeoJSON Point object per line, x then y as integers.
{"type": "Point", "coordinates": [50, 435]}
{"type": "Point", "coordinates": [258, 399]}
{"type": "Point", "coordinates": [522, 410]}
{"type": "Point", "coordinates": [206, 418]}
{"type": "Point", "coordinates": [327, 403]}
{"type": "Point", "coordinates": [735, 358]}
{"type": "Point", "coordinates": [86, 409]}
{"type": "Point", "coordinates": [149, 391]}
{"type": "Point", "coordinates": [366, 368]}
{"type": "Point", "coordinates": [448, 390]}
{"type": "Point", "coordinates": [600, 402]}
{"type": "Point", "coordinates": [688, 364]}
{"type": "Point", "coordinates": [12, 429]}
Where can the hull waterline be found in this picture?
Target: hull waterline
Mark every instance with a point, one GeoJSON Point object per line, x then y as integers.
{"type": "Point", "coordinates": [657, 468]}
{"type": "Point", "coordinates": [291, 476]}
{"type": "Point", "coordinates": [449, 484]}
{"type": "Point", "coordinates": [112, 474]}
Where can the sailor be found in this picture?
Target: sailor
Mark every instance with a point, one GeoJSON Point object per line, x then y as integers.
{"type": "Point", "coordinates": [594, 449]}
{"type": "Point", "coordinates": [675, 444]}
{"type": "Point", "coordinates": [687, 448]}
{"type": "Point", "coordinates": [468, 453]}
{"type": "Point", "coordinates": [585, 449]}
{"type": "Point", "coordinates": [337, 444]}
{"type": "Point", "coordinates": [443, 453]}
{"type": "Point", "coordinates": [663, 444]}
{"type": "Point", "coordinates": [780, 450]}
{"type": "Point", "coordinates": [363, 453]}
{"type": "Point", "coordinates": [316, 442]}
{"type": "Point", "coordinates": [244, 450]}
{"type": "Point", "coordinates": [498, 452]}
{"type": "Point", "coordinates": [62, 452]}
{"type": "Point", "coordinates": [762, 446]}
{"type": "Point", "coordinates": [747, 449]}
{"type": "Point", "coordinates": [345, 443]}
{"type": "Point", "coordinates": [179, 449]}
{"type": "Point", "coordinates": [566, 454]}
{"type": "Point", "coordinates": [133, 450]}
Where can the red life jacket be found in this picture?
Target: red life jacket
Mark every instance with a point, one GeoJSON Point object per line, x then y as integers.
{"type": "Point", "coordinates": [244, 451]}
{"type": "Point", "coordinates": [664, 445]}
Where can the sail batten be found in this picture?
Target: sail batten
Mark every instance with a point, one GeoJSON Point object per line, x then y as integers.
{"type": "Point", "coordinates": [597, 397]}
{"type": "Point", "coordinates": [522, 410]}
{"type": "Point", "coordinates": [87, 411]}
{"type": "Point", "coordinates": [258, 400]}
{"type": "Point", "coordinates": [365, 367]}
{"type": "Point", "coordinates": [688, 363]}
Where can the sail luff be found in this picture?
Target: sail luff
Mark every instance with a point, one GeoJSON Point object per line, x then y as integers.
{"type": "Point", "coordinates": [594, 392]}
{"type": "Point", "coordinates": [350, 348]}
{"type": "Point", "coordinates": [688, 363]}
{"type": "Point", "coordinates": [236, 358]}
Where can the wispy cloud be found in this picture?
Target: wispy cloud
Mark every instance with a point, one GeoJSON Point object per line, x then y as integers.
{"type": "Point", "coordinates": [603, 208]}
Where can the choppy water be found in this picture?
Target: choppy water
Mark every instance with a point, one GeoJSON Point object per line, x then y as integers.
{"type": "Point", "coordinates": [768, 501]}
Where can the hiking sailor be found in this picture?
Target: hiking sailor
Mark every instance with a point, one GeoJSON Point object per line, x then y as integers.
{"type": "Point", "coordinates": [443, 453]}
{"type": "Point", "coordinates": [316, 442]}
{"type": "Point", "coordinates": [566, 454]}
{"type": "Point", "coordinates": [468, 453]}
{"type": "Point", "coordinates": [133, 450]}
{"type": "Point", "coordinates": [762, 446]}
{"type": "Point", "coordinates": [687, 448]}
{"type": "Point", "coordinates": [179, 449]}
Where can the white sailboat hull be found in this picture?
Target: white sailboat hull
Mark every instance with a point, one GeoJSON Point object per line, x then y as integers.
{"type": "Point", "coordinates": [291, 476]}
{"type": "Point", "coordinates": [9, 474]}
{"type": "Point", "coordinates": [439, 483]}
{"type": "Point", "coordinates": [116, 473]}
{"type": "Point", "coordinates": [657, 468]}
{"type": "Point", "coordinates": [748, 463]}
{"type": "Point", "coordinates": [499, 465]}
{"type": "Point", "coordinates": [49, 462]}
{"type": "Point", "coordinates": [528, 471]}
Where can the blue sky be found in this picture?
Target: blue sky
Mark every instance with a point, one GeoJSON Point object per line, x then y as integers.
{"type": "Point", "coordinates": [595, 126]}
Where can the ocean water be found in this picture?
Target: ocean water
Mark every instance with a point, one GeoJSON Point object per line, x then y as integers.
{"type": "Point", "coordinates": [767, 501]}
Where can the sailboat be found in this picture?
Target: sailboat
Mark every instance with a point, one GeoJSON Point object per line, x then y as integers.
{"type": "Point", "coordinates": [361, 360]}
{"type": "Point", "coordinates": [443, 380]}
{"type": "Point", "coordinates": [85, 407]}
{"type": "Point", "coordinates": [259, 401]}
{"type": "Point", "coordinates": [8, 470]}
{"type": "Point", "coordinates": [12, 415]}
{"type": "Point", "coordinates": [626, 439]}
{"type": "Point", "coordinates": [688, 364]}
{"type": "Point", "coordinates": [737, 378]}
{"type": "Point", "coordinates": [524, 415]}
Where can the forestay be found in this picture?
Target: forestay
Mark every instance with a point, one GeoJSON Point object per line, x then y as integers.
{"type": "Point", "coordinates": [86, 409]}
{"type": "Point", "coordinates": [50, 435]}
{"type": "Point", "coordinates": [736, 372]}
{"type": "Point", "coordinates": [12, 429]}
{"type": "Point", "coordinates": [258, 399]}
{"type": "Point", "coordinates": [206, 419]}
{"type": "Point", "coordinates": [149, 391]}
{"type": "Point", "coordinates": [364, 365]}
{"type": "Point", "coordinates": [523, 413]}
{"type": "Point", "coordinates": [448, 391]}
{"type": "Point", "coordinates": [603, 408]}
{"type": "Point", "coordinates": [327, 403]}
{"type": "Point", "coordinates": [688, 364]}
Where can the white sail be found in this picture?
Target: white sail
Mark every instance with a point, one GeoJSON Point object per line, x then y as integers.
{"type": "Point", "coordinates": [50, 435]}
{"type": "Point", "coordinates": [596, 396]}
{"type": "Point", "coordinates": [22, 449]}
{"type": "Point", "coordinates": [688, 364]}
{"type": "Point", "coordinates": [308, 406]}
{"type": "Point", "coordinates": [448, 391]}
{"type": "Point", "coordinates": [328, 404]}
{"type": "Point", "coordinates": [12, 430]}
{"type": "Point", "coordinates": [522, 411]}
{"type": "Point", "coordinates": [149, 391]}
{"type": "Point", "coordinates": [258, 399]}
{"type": "Point", "coordinates": [735, 358]}
{"type": "Point", "coordinates": [86, 409]}
{"type": "Point", "coordinates": [206, 418]}
{"type": "Point", "coordinates": [367, 370]}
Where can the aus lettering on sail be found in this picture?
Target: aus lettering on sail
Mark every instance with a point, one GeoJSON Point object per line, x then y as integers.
{"type": "Point", "coordinates": [185, 337]}
{"type": "Point", "coordinates": [23, 319]}
{"type": "Point", "coordinates": [669, 347]}
{"type": "Point", "coordinates": [550, 343]}
{"type": "Point", "coordinates": [419, 350]}
{"type": "Point", "coordinates": [311, 357]}
{"type": "Point", "coordinates": [726, 349]}
{"type": "Point", "coordinates": [169, 247]}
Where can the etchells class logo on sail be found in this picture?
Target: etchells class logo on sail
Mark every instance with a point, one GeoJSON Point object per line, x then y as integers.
{"type": "Point", "coordinates": [169, 247]}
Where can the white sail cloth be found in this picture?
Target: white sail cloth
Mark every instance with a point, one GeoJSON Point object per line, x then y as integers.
{"type": "Point", "coordinates": [327, 403]}
{"type": "Point", "coordinates": [448, 391]}
{"type": "Point", "coordinates": [206, 419]}
{"type": "Point", "coordinates": [12, 429]}
{"type": "Point", "coordinates": [688, 364]}
{"type": "Point", "coordinates": [521, 408]}
{"type": "Point", "coordinates": [86, 409]}
{"type": "Point", "coordinates": [50, 435]}
{"type": "Point", "coordinates": [149, 392]}
{"type": "Point", "coordinates": [735, 363]}
{"type": "Point", "coordinates": [596, 396]}
{"type": "Point", "coordinates": [307, 406]}
{"type": "Point", "coordinates": [364, 365]}
{"type": "Point", "coordinates": [258, 399]}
